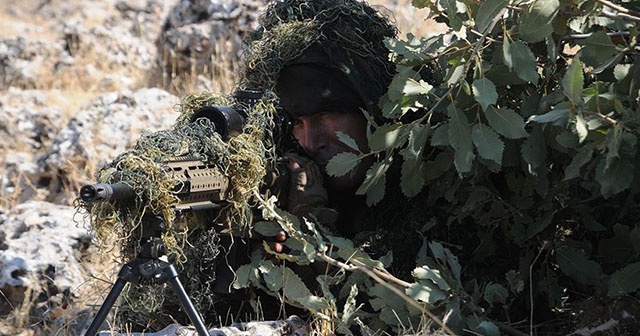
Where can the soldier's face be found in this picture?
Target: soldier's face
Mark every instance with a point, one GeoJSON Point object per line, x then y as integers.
{"type": "Point", "coordinates": [317, 135]}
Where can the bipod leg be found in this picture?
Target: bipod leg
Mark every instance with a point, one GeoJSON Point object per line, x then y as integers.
{"type": "Point", "coordinates": [148, 268]}
{"type": "Point", "coordinates": [185, 301]}
{"type": "Point", "coordinates": [106, 307]}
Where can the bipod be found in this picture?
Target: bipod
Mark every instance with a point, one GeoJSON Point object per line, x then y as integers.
{"type": "Point", "coordinates": [148, 268]}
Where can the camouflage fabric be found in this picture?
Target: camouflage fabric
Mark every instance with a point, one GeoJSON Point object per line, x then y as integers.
{"type": "Point", "coordinates": [349, 36]}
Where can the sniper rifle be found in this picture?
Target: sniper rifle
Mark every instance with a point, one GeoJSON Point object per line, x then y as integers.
{"type": "Point", "coordinates": [199, 186]}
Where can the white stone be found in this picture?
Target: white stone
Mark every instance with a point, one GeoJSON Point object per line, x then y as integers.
{"type": "Point", "coordinates": [39, 238]}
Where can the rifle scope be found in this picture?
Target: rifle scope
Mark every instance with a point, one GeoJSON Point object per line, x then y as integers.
{"type": "Point", "coordinates": [227, 120]}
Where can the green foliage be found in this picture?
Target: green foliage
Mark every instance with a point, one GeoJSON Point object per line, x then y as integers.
{"type": "Point", "coordinates": [484, 91]}
{"type": "Point", "coordinates": [574, 263]}
{"type": "Point", "coordinates": [342, 163]}
{"type": "Point", "coordinates": [573, 81]}
{"type": "Point", "coordinates": [518, 57]}
{"type": "Point", "coordinates": [519, 125]}
{"type": "Point", "coordinates": [537, 20]}
{"type": "Point", "coordinates": [506, 122]}
{"type": "Point", "coordinates": [459, 139]}
{"type": "Point", "coordinates": [487, 11]}
{"type": "Point", "coordinates": [522, 119]}
{"type": "Point", "coordinates": [412, 179]}
{"type": "Point", "coordinates": [487, 142]}
{"type": "Point", "coordinates": [626, 280]}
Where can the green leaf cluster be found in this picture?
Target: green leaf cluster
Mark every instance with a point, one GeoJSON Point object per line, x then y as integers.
{"type": "Point", "coordinates": [520, 125]}
{"type": "Point", "coordinates": [521, 122]}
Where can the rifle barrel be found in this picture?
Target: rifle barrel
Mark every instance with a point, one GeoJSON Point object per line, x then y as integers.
{"type": "Point", "coordinates": [103, 192]}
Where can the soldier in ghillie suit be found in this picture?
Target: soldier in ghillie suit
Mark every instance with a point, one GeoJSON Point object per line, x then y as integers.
{"type": "Point", "coordinates": [473, 243]}
{"type": "Point", "coordinates": [327, 64]}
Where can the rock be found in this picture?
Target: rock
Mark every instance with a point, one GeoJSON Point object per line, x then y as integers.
{"type": "Point", "coordinates": [293, 326]}
{"type": "Point", "coordinates": [206, 37]}
{"type": "Point", "coordinates": [108, 126]}
{"type": "Point", "coordinates": [23, 62]}
{"type": "Point", "coordinates": [30, 118]}
{"type": "Point", "coordinates": [51, 153]}
{"type": "Point", "coordinates": [28, 122]}
{"type": "Point", "coordinates": [119, 37]}
{"type": "Point", "coordinates": [40, 245]}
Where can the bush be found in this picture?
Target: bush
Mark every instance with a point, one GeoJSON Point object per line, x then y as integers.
{"type": "Point", "coordinates": [522, 121]}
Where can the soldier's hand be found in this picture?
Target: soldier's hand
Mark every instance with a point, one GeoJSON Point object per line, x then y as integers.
{"type": "Point", "coordinates": [306, 188]}
{"type": "Point", "coordinates": [307, 194]}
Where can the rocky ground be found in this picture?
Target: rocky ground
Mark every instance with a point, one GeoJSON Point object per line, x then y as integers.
{"type": "Point", "coordinates": [79, 82]}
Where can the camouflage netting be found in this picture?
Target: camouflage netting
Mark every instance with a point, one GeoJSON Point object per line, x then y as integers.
{"type": "Point", "coordinates": [289, 28]}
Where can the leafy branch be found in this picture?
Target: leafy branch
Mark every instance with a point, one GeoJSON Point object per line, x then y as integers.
{"type": "Point", "coordinates": [384, 278]}
{"type": "Point", "coordinates": [379, 275]}
{"type": "Point", "coordinates": [476, 52]}
{"type": "Point", "coordinates": [536, 145]}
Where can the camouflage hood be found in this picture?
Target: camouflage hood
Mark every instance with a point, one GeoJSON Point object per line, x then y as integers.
{"type": "Point", "coordinates": [334, 47]}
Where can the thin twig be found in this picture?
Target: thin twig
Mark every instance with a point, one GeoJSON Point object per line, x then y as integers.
{"type": "Point", "coordinates": [544, 247]}
{"type": "Point", "coordinates": [587, 35]}
{"type": "Point", "coordinates": [603, 117]}
{"type": "Point", "coordinates": [618, 8]}
{"type": "Point", "coordinates": [490, 39]}
{"type": "Point", "coordinates": [382, 273]}
{"type": "Point", "coordinates": [621, 16]}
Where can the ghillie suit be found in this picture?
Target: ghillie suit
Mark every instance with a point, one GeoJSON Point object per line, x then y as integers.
{"type": "Point", "coordinates": [343, 38]}
{"type": "Point", "coordinates": [192, 241]}
{"type": "Point", "coordinates": [328, 34]}
{"type": "Point", "coordinates": [320, 56]}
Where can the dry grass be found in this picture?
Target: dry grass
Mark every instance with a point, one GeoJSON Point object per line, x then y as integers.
{"type": "Point", "coordinates": [74, 86]}
{"type": "Point", "coordinates": [42, 313]}
{"type": "Point", "coordinates": [26, 18]}
{"type": "Point", "coordinates": [219, 73]}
